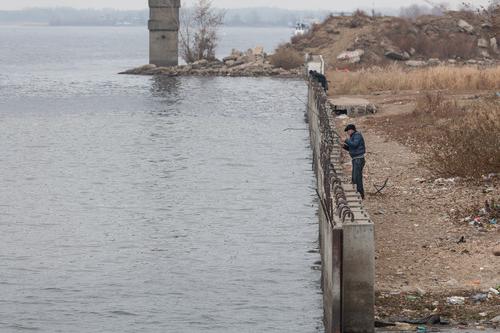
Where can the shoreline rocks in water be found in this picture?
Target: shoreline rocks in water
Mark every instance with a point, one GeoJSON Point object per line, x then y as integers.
{"type": "Point", "coordinates": [253, 63]}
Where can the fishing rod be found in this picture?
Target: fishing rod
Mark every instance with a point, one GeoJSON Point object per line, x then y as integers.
{"type": "Point", "coordinates": [317, 114]}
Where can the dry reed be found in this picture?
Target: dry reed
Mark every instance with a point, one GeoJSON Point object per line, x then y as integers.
{"type": "Point", "coordinates": [395, 78]}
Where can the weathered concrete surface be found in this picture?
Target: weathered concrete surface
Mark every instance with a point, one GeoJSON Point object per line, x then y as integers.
{"type": "Point", "coordinates": [164, 32]}
{"type": "Point", "coordinates": [352, 106]}
{"type": "Point", "coordinates": [347, 250]}
{"type": "Point", "coordinates": [359, 277]}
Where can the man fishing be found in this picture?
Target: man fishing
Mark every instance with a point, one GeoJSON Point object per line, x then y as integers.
{"type": "Point", "coordinates": [355, 144]}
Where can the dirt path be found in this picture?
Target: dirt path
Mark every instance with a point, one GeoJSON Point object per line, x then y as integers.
{"type": "Point", "coordinates": [418, 247]}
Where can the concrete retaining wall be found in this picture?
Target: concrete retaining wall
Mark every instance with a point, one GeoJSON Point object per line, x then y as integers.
{"type": "Point", "coordinates": [345, 230]}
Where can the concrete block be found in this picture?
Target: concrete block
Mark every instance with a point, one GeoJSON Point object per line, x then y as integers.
{"type": "Point", "coordinates": [170, 25]}
{"type": "Point", "coordinates": [359, 278]}
{"type": "Point", "coordinates": [165, 14]}
{"type": "Point", "coordinates": [164, 3]}
{"type": "Point", "coordinates": [163, 48]}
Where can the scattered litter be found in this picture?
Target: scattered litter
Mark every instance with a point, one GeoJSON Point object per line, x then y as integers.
{"type": "Point", "coordinates": [443, 181]}
{"type": "Point", "coordinates": [421, 292]}
{"type": "Point", "coordinates": [422, 329]}
{"type": "Point", "coordinates": [404, 327]}
{"type": "Point", "coordinates": [485, 218]}
{"type": "Point", "coordinates": [429, 320]}
{"type": "Point", "coordinates": [483, 314]}
{"type": "Point", "coordinates": [494, 291]}
{"type": "Point", "coordinates": [479, 297]}
{"type": "Point", "coordinates": [456, 300]}
{"type": "Point", "coordinates": [461, 240]}
{"type": "Point", "coordinates": [495, 320]}
{"type": "Point", "coordinates": [490, 176]}
{"type": "Point", "coordinates": [488, 190]}
{"type": "Point", "coordinates": [342, 116]}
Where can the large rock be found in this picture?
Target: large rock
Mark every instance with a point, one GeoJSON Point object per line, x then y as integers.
{"type": "Point", "coordinates": [482, 43]}
{"type": "Point", "coordinates": [232, 57]}
{"type": "Point", "coordinates": [485, 54]}
{"type": "Point", "coordinates": [143, 70]}
{"type": "Point", "coordinates": [466, 27]}
{"type": "Point", "coordinates": [397, 55]}
{"type": "Point", "coordinates": [258, 51]}
{"type": "Point", "coordinates": [494, 44]}
{"type": "Point", "coordinates": [486, 25]}
{"type": "Point", "coordinates": [352, 57]}
{"type": "Point", "coordinates": [434, 62]}
{"type": "Point", "coordinates": [415, 63]}
{"type": "Point", "coordinates": [496, 251]}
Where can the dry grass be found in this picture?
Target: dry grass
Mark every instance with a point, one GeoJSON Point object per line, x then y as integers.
{"type": "Point", "coordinates": [468, 146]}
{"type": "Point", "coordinates": [395, 78]}
{"type": "Point", "coordinates": [455, 141]}
{"type": "Point", "coordinates": [287, 58]}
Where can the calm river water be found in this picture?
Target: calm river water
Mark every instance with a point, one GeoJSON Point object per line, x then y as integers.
{"type": "Point", "coordinates": [140, 204]}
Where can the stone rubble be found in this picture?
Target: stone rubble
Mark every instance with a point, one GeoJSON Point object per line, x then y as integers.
{"type": "Point", "coordinates": [252, 63]}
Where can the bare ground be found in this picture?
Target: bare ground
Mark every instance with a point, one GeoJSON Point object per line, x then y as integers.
{"type": "Point", "coordinates": [424, 251]}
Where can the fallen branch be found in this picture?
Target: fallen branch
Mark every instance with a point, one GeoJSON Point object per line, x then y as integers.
{"type": "Point", "coordinates": [381, 188]}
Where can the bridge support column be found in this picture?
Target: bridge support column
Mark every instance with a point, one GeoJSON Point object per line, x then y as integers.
{"type": "Point", "coordinates": [164, 32]}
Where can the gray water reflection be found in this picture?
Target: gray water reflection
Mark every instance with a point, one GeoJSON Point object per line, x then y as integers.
{"type": "Point", "coordinates": [171, 205]}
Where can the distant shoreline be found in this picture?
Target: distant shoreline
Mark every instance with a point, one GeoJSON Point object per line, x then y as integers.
{"type": "Point", "coordinates": [41, 24]}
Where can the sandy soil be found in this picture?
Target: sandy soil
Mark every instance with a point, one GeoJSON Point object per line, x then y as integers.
{"type": "Point", "coordinates": [422, 246]}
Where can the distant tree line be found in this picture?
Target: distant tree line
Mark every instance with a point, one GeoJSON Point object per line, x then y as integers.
{"type": "Point", "coordinates": [77, 17]}
{"type": "Point", "coordinates": [109, 17]}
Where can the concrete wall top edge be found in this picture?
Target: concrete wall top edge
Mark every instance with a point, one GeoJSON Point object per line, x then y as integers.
{"type": "Point", "coordinates": [364, 223]}
{"type": "Point", "coordinates": [164, 3]}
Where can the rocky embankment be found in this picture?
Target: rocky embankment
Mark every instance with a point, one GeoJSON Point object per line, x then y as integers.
{"type": "Point", "coordinates": [252, 63]}
{"type": "Point", "coordinates": [454, 38]}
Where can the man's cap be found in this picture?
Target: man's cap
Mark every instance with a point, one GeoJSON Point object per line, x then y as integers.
{"type": "Point", "coordinates": [350, 127]}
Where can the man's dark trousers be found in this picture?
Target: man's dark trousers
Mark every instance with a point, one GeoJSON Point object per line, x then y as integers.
{"type": "Point", "coordinates": [357, 175]}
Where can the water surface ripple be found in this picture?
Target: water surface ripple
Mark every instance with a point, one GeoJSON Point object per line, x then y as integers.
{"type": "Point", "coordinates": [138, 204]}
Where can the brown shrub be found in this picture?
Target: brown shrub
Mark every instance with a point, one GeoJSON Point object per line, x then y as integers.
{"type": "Point", "coordinates": [468, 146]}
{"type": "Point", "coordinates": [287, 58]}
{"type": "Point", "coordinates": [454, 140]}
{"type": "Point", "coordinates": [461, 46]}
{"type": "Point", "coordinates": [360, 13]}
{"type": "Point", "coordinates": [434, 105]}
{"type": "Point", "coordinates": [296, 40]}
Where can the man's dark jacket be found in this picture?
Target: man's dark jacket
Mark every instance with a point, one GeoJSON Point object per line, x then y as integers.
{"type": "Point", "coordinates": [355, 145]}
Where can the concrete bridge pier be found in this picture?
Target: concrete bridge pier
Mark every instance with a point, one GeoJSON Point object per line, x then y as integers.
{"type": "Point", "coordinates": [163, 28]}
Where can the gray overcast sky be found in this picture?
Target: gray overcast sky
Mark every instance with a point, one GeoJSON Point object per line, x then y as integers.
{"type": "Point", "coordinates": [291, 4]}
